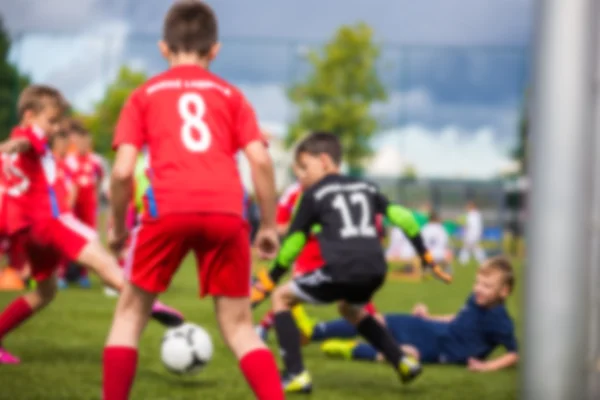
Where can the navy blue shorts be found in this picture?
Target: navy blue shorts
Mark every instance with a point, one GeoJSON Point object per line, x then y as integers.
{"type": "Point", "coordinates": [417, 332]}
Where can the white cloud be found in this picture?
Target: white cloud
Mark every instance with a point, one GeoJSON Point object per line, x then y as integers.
{"type": "Point", "coordinates": [81, 65]}
{"type": "Point", "coordinates": [448, 153]}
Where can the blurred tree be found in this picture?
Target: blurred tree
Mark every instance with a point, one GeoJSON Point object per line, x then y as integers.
{"type": "Point", "coordinates": [338, 94]}
{"type": "Point", "coordinates": [11, 84]}
{"type": "Point", "coordinates": [101, 122]}
{"type": "Point", "coordinates": [409, 173]}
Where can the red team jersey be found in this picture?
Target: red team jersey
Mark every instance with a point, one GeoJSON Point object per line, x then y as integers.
{"type": "Point", "coordinates": [310, 258]}
{"type": "Point", "coordinates": [86, 171]}
{"type": "Point", "coordinates": [37, 218]}
{"type": "Point", "coordinates": [34, 191]}
{"type": "Point", "coordinates": [192, 124]}
{"type": "Point", "coordinates": [186, 117]}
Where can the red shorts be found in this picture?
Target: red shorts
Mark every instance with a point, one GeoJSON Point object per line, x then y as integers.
{"type": "Point", "coordinates": [51, 241]}
{"type": "Point", "coordinates": [17, 258]}
{"type": "Point", "coordinates": [220, 243]}
{"type": "Point", "coordinates": [87, 213]}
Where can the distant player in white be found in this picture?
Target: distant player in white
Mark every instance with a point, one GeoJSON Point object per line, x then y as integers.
{"type": "Point", "coordinates": [472, 236]}
{"type": "Point", "coordinates": [436, 240]}
{"type": "Point", "coordinates": [400, 249]}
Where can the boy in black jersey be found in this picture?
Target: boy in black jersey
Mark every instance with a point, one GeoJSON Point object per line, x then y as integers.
{"type": "Point", "coordinates": [342, 211]}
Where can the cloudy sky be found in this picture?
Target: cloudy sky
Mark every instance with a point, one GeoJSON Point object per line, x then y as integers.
{"type": "Point", "coordinates": [455, 69]}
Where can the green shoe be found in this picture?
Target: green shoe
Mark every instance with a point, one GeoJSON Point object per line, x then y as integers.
{"type": "Point", "coordinates": [408, 369]}
{"type": "Point", "coordinates": [301, 383]}
{"type": "Point", "coordinates": [336, 348]}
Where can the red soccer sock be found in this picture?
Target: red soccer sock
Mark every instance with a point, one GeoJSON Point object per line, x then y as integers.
{"type": "Point", "coordinates": [260, 370]}
{"type": "Point", "coordinates": [120, 364]}
{"type": "Point", "coordinates": [16, 312]}
{"type": "Point", "coordinates": [267, 321]}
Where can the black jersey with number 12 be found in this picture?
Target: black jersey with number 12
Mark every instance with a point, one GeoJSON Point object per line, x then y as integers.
{"type": "Point", "coordinates": [345, 209]}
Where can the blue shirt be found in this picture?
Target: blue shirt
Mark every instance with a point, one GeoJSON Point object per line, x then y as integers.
{"type": "Point", "coordinates": [475, 332]}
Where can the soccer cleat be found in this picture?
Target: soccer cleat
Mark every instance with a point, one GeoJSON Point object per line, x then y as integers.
{"type": "Point", "coordinates": [166, 315]}
{"type": "Point", "coordinates": [62, 283]}
{"type": "Point", "coordinates": [84, 282]}
{"type": "Point", "coordinates": [301, 383]}
{"type": "Point", "coordinates": [408, 369]}
{"type": "Point", "coordinates": [336, 348]}
{"type": "Point", "coordinates": [7, 358]}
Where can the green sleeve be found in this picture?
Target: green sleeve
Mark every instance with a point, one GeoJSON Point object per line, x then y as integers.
{"type": "Point", "coordinates": [404, 219]}
{"type": "Point", "coordinates": [290, 249]}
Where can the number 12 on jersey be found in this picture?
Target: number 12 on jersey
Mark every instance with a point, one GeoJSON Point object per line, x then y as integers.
{"type": "Point", "coordinates": [195, 134]}
{"type": "Point", "coordinates": [349, 229]}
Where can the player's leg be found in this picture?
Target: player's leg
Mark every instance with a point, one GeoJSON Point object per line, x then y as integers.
{"type": "Point", "coordinates": [78, 242]}
{"type": "Point", "coordinates": [358, 351]}
{"type": "Point", "coordinates": [222, 249]}
{"type": "Point", "coordinates": [265, 325]}
{"type": "Point", "coordinates": [120, 354]}
{"type": "Point", "coordinates": [288, 334]}
{"type": "Point", "coordinates": [335, 329]}
{"type": "Point", "coordinates": [308, 288]}
{"type": "Point", "coordinates": [255, 360]}
{"type": "Point", "coordinates": [374, 331]}
{"type": "Point", "coordinates": [157, 250]}
{"type": "Point", "coordinates": [478, 252]}
{"type": "Point", "coordinates": [43, 262]}
{"type": "Point", "coordinates": [465, 253]}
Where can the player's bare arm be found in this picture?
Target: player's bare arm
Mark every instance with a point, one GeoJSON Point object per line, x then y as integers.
{"type": "Point", "coordinates": [404, 219]}
{"type": "Point", "coordinates": [504, 361]}
{"type": "Point", "coordinates": [422, 311]}
{"type": "Point", "coordinates": [121, 189]}
{"type": "Point", "coordinates": [263, 178]}
{"type": "Point", "coordinates": [17, 145]}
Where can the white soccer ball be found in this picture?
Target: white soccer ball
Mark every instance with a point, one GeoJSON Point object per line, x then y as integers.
{"type": "Point", "coordinates": [186, 349]}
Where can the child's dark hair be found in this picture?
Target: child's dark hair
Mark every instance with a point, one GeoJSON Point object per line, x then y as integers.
{"type": "Point", "coordinates": [434, 216]}
{"type": "Point", "coordinates": [190, 27]}
{"type": "Point", "coordinates": [502, 265]}
{"type": "Point", "coordinates": [76, 127]}
{"type": "Point", "coordinates": [36, 97]}
{"type": "Point", "coordinates": [321, 143]}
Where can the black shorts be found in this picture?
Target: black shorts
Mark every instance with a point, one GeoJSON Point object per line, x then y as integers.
{"type": "Point", "coordinates": [319, 288]}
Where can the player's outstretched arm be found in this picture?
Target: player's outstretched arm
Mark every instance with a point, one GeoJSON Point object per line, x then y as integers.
{"type": "Point", "coordinates": [504, 361]}
{"type": "Point", "coordinates": [263, 178]}
{"type": "Point", "coordinates": [404, 219]}
{"type": "Point", "coordinates": [16, 145]}
{"type": "Point", "coordinates": [121, 190]}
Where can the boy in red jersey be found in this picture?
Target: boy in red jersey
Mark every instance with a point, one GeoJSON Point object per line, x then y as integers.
{"type": "Point", "coordinates": [38, 210]}
{"type": "Point", "coordinates": [87, 171]}
{"type": "Point", "coordinates": [192, 123]}
{"type": "Point", "coordinates": [59, 144]}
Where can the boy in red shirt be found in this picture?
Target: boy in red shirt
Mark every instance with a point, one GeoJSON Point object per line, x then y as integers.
{"type": "Point", "coordinates": [39, 216]}
{"type": "Point", "coordinates": [192, 123]}
{"type": "Point", "coordinates": [86, 170]}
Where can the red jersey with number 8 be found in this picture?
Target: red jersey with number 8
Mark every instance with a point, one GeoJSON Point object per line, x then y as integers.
{"type": "Point", "coordinates": [193, 123]}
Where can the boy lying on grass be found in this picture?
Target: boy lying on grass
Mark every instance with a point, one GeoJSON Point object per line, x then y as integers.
{"type": "Point", "coordinates": [466, 338]}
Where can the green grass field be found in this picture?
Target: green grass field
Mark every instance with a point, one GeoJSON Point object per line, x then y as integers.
{"type": "Point", "coordinates": [61, 352]}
